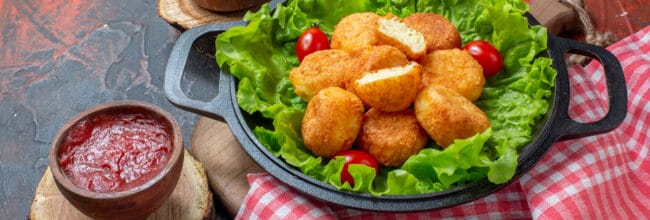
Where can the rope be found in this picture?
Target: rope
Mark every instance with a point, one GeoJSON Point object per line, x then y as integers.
{"type": "Point", "coordinates": [591, 35]}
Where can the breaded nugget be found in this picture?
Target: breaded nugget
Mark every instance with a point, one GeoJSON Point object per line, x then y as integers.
{"type": "Point", "coordinates": [392, 89]}
{"type": "Point", "coordinates": [374, 58]}
{"type": "Point", "coordinates": [332, 121]}
{"type": "Point", "coordinates": [447, 115]}
{"type": "Point", "coordinates": [379, 57]}
{"type": "Point", "coordinates": [391, 138]}
{"type": "Point", "coordinates": [455, 69]}
{"type": "Point", "coordinates": [319, 70]}
{"type": "Point", "coordinates": [439, 33]}
{"type": "Point", "coordinates": [355, 31]}
{"type": "Point", "coordinates": [392, 31]}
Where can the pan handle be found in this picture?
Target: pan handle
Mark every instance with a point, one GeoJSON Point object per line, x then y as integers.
{"type": "Point", "coordinates": [218, 107]}
{"type": "Point", "coordinates": [616, 88]}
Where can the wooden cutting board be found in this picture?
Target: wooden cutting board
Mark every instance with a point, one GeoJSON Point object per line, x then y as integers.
{"type": "Point", "coordinates": [186, 14]}
{"type": "Point", "coordinates": [225, 162]}
{"type": "Point", "coordinates": [212, 142]}
{"type": "Point", "coordinates": [191, 198]}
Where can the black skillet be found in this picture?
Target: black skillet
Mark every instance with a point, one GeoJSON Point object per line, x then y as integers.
{"type": "Point", "coordinates": [554, 126]}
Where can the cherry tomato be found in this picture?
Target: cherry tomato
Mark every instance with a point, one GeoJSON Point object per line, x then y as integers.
{"type": "Point", "coordinates": [356, 157]}
{"type": "Point", "coordinates": [486, 55]}
{"type": "Point", "coordinates": [311, 40]}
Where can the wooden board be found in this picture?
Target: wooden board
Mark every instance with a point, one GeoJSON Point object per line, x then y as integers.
{"type": "Point", "coordinates": [190, 200]}
{"type": "Point", "coordinates": [225, 162]}
{"type": "Point", "coordinates": [187, 14]}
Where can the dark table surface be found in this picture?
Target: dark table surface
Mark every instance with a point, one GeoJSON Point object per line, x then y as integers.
{"type": "Point", "coordinates": [58, 58]}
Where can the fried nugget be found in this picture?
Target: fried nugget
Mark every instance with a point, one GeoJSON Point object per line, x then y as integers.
{"type": "Point", "coordinates": [391, 89]}
{"type": "Point", "coordinates": [391, 138]}
{"type": "Point", "coordinates": [355, 31]}
{"type": "Point", "coordinates": [455, 69]}
{"type": "Point", "coordinates": [374, 58]}
{"type": "Point", "coordinates": [439, 33]}
{"type": "Point", "coordinates": [332, 121]}
{"type": "Point", "coordinates": [392, 31]}
{"type": "Point", "coordinates": [447, 115]}
{"type": "Point", "coordinates": [379, 57]}
{"type": "Point", "coordinates": [319, 70]}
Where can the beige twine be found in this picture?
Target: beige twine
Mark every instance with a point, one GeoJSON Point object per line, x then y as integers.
{"type": "Point", "coordinates": [591, 35]}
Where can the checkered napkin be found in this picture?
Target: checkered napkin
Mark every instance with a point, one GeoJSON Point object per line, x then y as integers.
{"type": "Point", "coordinates": [604, 176]}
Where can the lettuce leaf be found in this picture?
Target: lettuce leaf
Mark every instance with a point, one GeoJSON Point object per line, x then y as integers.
{"type": "Point", "coordinates": [261, 55]}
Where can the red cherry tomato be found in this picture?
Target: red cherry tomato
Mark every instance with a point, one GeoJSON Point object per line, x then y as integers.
{"type": "Point", "coordinates": [356, 157]}
{"type": "Point", "coordinates": [486, 55]}
{"type": "Point", "coordinates": [311, 40]}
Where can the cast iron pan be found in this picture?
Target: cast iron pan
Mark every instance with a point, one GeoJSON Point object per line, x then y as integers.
{"type": "Point", "coordinates": [555, 125]}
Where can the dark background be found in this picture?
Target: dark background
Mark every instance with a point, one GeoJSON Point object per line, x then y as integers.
{"type": "Point", "coordinates": [58, 58]}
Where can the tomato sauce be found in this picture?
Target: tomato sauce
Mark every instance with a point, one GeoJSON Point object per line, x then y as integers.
{"type": "Point", "coordinates": [116, 150]}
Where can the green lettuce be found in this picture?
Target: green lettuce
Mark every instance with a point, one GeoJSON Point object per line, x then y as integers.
{"type": "Point", "coordinates": [262, 54]}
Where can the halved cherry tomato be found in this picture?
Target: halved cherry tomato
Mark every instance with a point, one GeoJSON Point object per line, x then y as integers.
{"type": "Point", "coordinates": [486, 55]}
{"type": "Point", "coordinates": [311, 40]}
{"type": "Point", "coordinates": [356, 157]}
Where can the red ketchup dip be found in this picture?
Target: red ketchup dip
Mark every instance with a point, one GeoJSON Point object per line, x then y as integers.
{"type": "Point", "coordinates": [114, 151]}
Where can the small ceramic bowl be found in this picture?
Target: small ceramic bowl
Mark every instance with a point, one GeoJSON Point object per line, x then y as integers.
{"type": "Point", "coordinates": [137, 202]}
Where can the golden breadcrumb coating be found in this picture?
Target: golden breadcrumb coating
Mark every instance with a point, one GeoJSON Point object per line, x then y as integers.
{"type": "Point", "coordinates": [447, 115]}
{"type": "Point", "coordinates": [332, 121]}
{"type": "Point", "coordinates": [389, 64]}
{"type": "Point", "coordinates": [374, 58]}
{"type": "Point", "coordinates": [392, 31]}
{"type": "Point", "coordinates": [391, 138]}
{"type": "Point", "coordinates": [455, 69]}
{"type": "Point", "coordinates": [439, 33]}
{"type": "Point", "coordinates": [319, 70]}
{"type": "Point", "coordinates": [355, 31]}
{"type": "Point", "coordinates": [379, 57]}
{"type": "Point", "coordinates": [392, 89]}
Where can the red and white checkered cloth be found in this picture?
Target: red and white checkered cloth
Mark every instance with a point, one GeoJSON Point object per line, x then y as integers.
{"type": "Point", "coordinates": [605, 176]}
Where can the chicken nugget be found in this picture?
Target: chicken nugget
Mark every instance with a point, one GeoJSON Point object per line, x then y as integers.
{"type": "Point", "coordinates": [392, 31]}
{"type": "Point", "coordinates": [332, 121]}
{"type": "Point", "coordinates": [374, 58]}
{"type": "Point", "coordinates": [355, 31]}
{"type": "Point", "coordinates": [319, 70]}
{"type": "Point", "coordinates": [447, 115]}
{"type": "Point", "coordinates": [391, 138]}
{"type": "Point", "coordinates": [439, 33]}
{"type": "Point", "coordinates": [391, 89]}
{"type": "Point", "coordinates": [455, 69]}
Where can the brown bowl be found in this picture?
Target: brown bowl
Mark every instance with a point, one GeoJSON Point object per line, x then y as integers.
{"type": "Point", "coordinates": [228, 5]}
{"type": "Point", "coordinates": [134, 203]}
